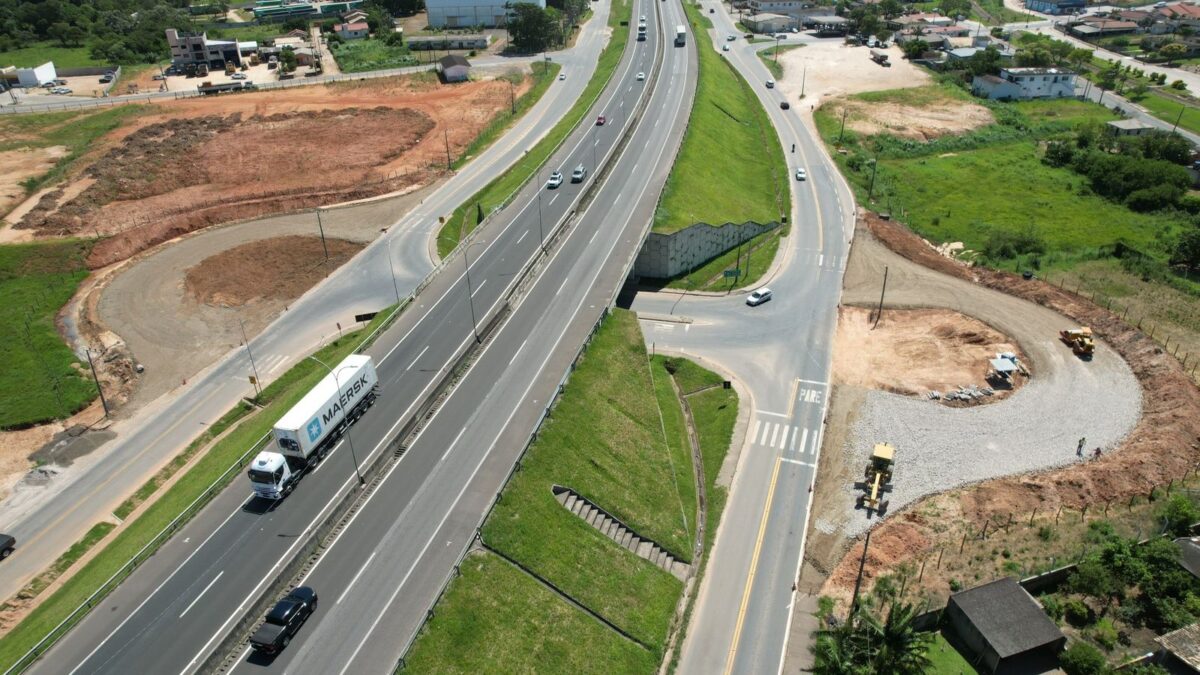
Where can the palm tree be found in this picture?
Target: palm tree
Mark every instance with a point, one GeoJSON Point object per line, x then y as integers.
{"type": "Point", "coordinates": [900, 647]}
{"type": "Point", "coordinates": [868, 646]}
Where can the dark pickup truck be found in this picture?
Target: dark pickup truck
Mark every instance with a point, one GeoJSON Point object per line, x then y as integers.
{"type": "Point", "coordinates": [7, 544]}
{"type": "Point", "coordinates": [284, 620]}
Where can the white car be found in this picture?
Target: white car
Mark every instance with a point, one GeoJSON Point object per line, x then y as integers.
{"type": "Point", "coordinates": [758, 297]}
{"type": "Point", "coordinates": [556, 179]}
{"type": "Point", "coordinates": [643, 18]}
{"type": "Point", "coordinates": [730, 38]}
{"type": "Point", "coordinates": [562, 76]}
{"type": "Point", "coordinates": [237, 76]}
{"type": "Point", "coordinates": [770, 83]}
{"type": "Point", "coordinates": [724, 48]}
{"type": "Point", "coordinates": [801, 174]}
{"type": "Point", "coordinates": [641, 76]}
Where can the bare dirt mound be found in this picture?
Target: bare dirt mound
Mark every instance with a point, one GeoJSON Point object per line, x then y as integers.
{"type": "Point", "coordinates": [915, 351]}
{"type": "Point", "coordinates": [21, 164]}
{"type": "Point", "coordinates": [923, 123]}
{"type": "Point", "coordinates": [282, 268]}
{"type": "Point", "coordinates": [1163, 447]}
{"type": "Point", "coordinates": [212, 160]}
{"type": "Point", "coordinates": [169, 178]}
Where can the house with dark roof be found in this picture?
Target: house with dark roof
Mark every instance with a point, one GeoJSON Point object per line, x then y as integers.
{"type": "Point", "coordinates": [454, 68]}
{"type": "Point", "coordinates": [1180, 649]}
{"type": "Point", "coordinates": [1004, 627]}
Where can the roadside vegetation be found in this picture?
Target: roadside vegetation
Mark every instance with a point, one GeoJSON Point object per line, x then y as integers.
{"type": "Point", "coordinates": [358, 56]}
{"type": "Point", "coordinates": [242, 428]}
{"type": "Point", "coordinates": [746, 264]}
{"type": "Point", "coordinates": [35, 281]}
{"type": "Point", "coordinates": [496, 194]}
{"type": "Point", "coordinates": [730, 167]}
{"type": "Point", "coordinates": [543, 76]}
{"type": "Point", "coordinates": [770, 59]}
{"type": "Point", "coordinates": [617, 436]}
{"type": "Point", "coordinates": [38, 53]}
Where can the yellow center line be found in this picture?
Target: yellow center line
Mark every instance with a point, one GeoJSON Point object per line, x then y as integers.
{"type": "Point", "coordinates": [762, 530]}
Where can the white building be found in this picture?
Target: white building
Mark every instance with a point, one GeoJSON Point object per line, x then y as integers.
{"type": "Point", "coordinates": [36, 76]}
{"type": "Point", "coordinates": [468, 13]}
{"type": "Point", "coordinates": [776, 6]}
{"type": "Point", "coordinates": [352, 31]}
{"type": "Point", "coordinates": [197, 48]}
{"type": "Point", "coordinates": [1025, 83]}
{"type": "Point", "coordinates": [769, 23]}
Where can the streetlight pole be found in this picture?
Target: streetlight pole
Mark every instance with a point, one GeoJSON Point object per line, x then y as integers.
{"type": "Point", "coordinates": [349, 439]}
{"type": "Point", "coordinates": [392, 269]}
{"type": "Point", "coordinates": [253, 367]}
{"type": "Point", "coordinates": [470, 289]}
{"type": "Point", "coordinates": [541, 231]}
{"type": "Point", "coordinates": [321, 228]}
{"type": "Point", "coordinates": [1178, 117]}
{"type": "Point", "coordinates": [874, 169]}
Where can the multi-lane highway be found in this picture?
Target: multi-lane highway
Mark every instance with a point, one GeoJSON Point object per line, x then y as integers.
{"type": "Point", "coordinates": [381, 572]}
{"type": "Point", "coordinates": [781, 352]}
{"type": "Point", "coordinates": [46, 524]}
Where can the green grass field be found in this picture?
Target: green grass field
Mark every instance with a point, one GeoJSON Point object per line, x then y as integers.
{"type": "Point", "coordinates": [1168, 111]}
{"type": "Point", "coordinates": [359, 56]}
{"type": "Point", "coordinates": [76, 130]}
{"type": "Point", "coordinates": [279, 397]}
{"type": "Point", "coordinates": [606, 441]}
{"type": "Point", "coordinates": [463, 220]}
{"type": "Point", "coordinates": [730, 167]}
{"type": "Point", "coordinates": [248, 33]}
{"type": "Point", "coordinates": [36, 55]}
{"type": "Point", "coordinates": [964, 188]}
{"type": "Point", "coordinates": [946, 660]}
{"type": "Point", "coordinates": [41, 379]}
{"type": "Point", "coordinates": [495, 618]}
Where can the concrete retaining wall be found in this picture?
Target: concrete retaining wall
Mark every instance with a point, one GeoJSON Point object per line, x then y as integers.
{"type": "Point", "coordinates": [668, 255]}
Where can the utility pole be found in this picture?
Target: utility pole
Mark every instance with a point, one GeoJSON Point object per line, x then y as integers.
{"type": "Point", "coordinates": [843, 129]}
{"type": "Point", "coordinates": [446, 136]}
{"type": "Point", "coordinates": [103, 401]}
{"type": "Point", "coordinates": [803, 80]}
{"type": "Point", "coordinates": [541, 231]}
{"type": "Point", "coordinates": [253, 367]}
{"type": "Point", "coordinates": [858, 581]}
{"type": "Point", "coordinates": [1178, 117]}
{"type": "Point", "coordinates": [470, 289]}
{"type": "Point", "coordinates": [879, 312]}
{"type": "Point", "coordinates": [512, 97]}
{"type": "Point", "coordinates": [321, 228]}
{"type": "Point", "coordinates": [874, 169]}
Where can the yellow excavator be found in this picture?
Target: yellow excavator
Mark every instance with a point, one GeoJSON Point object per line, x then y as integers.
{"type": "Point", "coordinates": [878, 478]}
{"type": "Point", "coordinates": [1079, 340]}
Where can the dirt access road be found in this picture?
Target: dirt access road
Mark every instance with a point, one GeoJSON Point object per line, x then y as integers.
{"type": "Point", "coordinates": [829, 68]}
{"type": "Point", "coordinates": [1161, 445]}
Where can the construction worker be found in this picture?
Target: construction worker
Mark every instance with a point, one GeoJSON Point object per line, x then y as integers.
{"type": "Point", "coordinates": [1079, 448]}
{"type": "Point", "coordinates": [1096, 452]}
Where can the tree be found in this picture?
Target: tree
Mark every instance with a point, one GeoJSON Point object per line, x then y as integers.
{"type": "Point", "coordinates": [58, 31]}
{"type": "Point", "coordinates": [1172, 51]}
{"type": "Point", "coordinates": [868, 646]}
{"type": "Point", "coordinates": [891, 8]}
{"type": "Point", "coordinates": [915, 48]}
{"type": "Point", "coordinates": [1187, 250]}
{"type": "Point", "coordinates": [1179, 513]}
{"type": "Point", "coordinates": [986, 62]}
{"type": "Point", "coordinates": [394, 39]}
{"type": "Point", "coordinates": [287, 60]}
{"type": "Point", "coordinates": [530, 28]}
{"type": "Point", "coordinates": [1035, 57]}
{"type": "Point", "coordinates": [1082, 659]}
{"type": "Point", "coordinates": [1138, 91]}
{"type": "Point", "coordinates": [1092, 578]}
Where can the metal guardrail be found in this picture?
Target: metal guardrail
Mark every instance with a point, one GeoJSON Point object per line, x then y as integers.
{"type": "Point", "coordinates": [138, 558]}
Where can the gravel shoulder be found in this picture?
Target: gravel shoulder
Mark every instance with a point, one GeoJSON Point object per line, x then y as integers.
{"type": "Point", "coordinates": [938, 448]}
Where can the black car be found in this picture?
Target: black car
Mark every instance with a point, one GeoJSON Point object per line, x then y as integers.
{"type": "Point", "coordinates": [284, 620]}
{"type": "Point", "coordinates": [785, 105]}
{"type": "Point", "coordinates": [7, 544]}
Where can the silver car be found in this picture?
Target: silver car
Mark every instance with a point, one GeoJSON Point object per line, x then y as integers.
{"type": "Point", "coordinates": [758, 297]}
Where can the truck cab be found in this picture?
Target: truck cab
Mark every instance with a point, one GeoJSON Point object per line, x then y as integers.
{"type": "Point", "coordinates": [273, 475]}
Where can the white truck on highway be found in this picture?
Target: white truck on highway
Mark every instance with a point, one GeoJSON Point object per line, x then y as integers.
{"type": "Point", "coordinates": [304, 435]}
{"type": "Point", "coordinates": [680, 36]}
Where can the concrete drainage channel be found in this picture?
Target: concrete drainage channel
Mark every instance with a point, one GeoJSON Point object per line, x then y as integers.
{"type": "Point", "coordinates": [619, 532]}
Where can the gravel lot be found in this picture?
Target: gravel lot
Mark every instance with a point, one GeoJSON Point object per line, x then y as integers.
{"type": "Point", "coordinates": [1038, 427]}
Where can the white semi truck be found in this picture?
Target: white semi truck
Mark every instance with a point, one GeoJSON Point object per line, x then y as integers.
{"type": "Point", "coordinates": [304, 435]}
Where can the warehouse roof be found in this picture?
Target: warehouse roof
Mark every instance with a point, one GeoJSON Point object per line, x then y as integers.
{"type": "Point", "coordinates": [1007, 617]}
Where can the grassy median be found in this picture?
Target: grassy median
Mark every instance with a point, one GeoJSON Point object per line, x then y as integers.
{"type": "Point", "coordinates": [731, 166]}
{"type": "Point", "coordinates": [276, 398]}
{"type": "Point", "coordinates": [465, 218]}
{"type": "Point", "coordinates": [617, 436]}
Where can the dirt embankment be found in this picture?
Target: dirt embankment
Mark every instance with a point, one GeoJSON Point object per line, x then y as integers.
{"type": "Point", "coordinates": [915, 351]}
{"type": "Point", "coordinates": [212, 160]}
{"type": "Point", "coordinates": [1164, 445]}
{"type": "Point", "coordinates": [282, 268]}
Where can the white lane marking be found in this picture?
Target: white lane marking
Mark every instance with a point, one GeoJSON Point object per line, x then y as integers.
{"type": "Point", "coordinates": [813, 451]}
{"type": "Point", "coordinates": [594, 235]}
{"type": "Point", "coordinates": [414, 361]}
{"type": "Point", "coordinates": [773, 414]}
{"type": "Point", "coordinates": [792, 447]}
{"type": "Point", "coordinates": [803, 441]}
{"type": "Point", "coordinates": [564, 283]}
{"type": "Point", "coordinates": [821, 260]}
{"type": "Point", "coordinates": [757, 423]}
{"type": "Point", "coordinates": [356, 576]}
{"type": "Point", "coordinates": [478, 287]}
{"type": "Point", "coordinates": [823, 384]}
{"type": "Point", "coordinates": [551, 203]}
{"type": "Point", "coordinates": [518, 352]}
{"type": "Point", "coordinates": [159, 588]}
{"type": "Point", "coordinates": [522, 236]}
{"type": "Point", "coordinates": [783, 439]}
{"type": "Point", "coordinates": [197, 598]}
{"type": "Point", "coordinates": [774, 435]}
{"type": "Point", "coordinates": [453, 443]}
{"type": "Point", "coordinates": [796, 461]}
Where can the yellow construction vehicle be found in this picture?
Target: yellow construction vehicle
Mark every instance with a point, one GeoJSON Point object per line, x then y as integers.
{"type": "Point", "coordinates": [1079, 340]}
{"type": "Point", "coordinates": [878, 478]}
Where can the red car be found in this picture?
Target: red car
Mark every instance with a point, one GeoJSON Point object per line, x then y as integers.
{"type": "Point", "coordinates": [600, 121]}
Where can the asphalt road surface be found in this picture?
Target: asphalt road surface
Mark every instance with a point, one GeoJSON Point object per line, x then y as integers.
{"type": "Point", "coordinates": [46, 525]}
{"type": "Point", "coordinates": [384, 569]}
{"type": "Point", "coordinates": [781, 352]}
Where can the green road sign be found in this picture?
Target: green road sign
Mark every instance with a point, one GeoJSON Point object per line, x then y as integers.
{"type": "Point", "coordinates": [732, 274]}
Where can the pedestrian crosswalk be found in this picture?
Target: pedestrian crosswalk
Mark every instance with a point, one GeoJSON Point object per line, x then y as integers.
{"type": "Point", "coordinates": [779, 436]}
